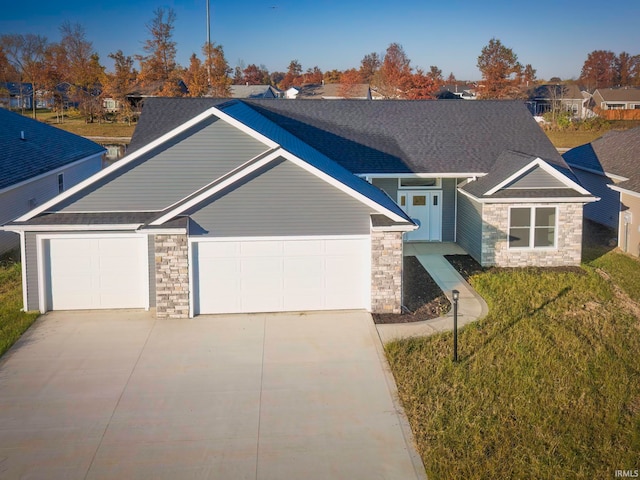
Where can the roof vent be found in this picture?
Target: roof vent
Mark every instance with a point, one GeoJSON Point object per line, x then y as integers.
{"type": "Point", "coordinates": [22, 135]}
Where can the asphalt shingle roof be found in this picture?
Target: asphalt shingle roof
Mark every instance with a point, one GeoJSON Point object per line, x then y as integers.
{"type": "Point", "coordinates": [44, 148]}
{"type": "Point", "coordinates": [617, 153]}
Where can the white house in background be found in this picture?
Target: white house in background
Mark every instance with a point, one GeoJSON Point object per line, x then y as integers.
{"type": "Point", "coordinates": [37, 162]}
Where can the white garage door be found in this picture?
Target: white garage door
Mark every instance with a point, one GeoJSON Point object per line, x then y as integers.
{"type": "Point", "coordinates": [281, 275]}
{"type": "Point", "coordinates": [96, 272]}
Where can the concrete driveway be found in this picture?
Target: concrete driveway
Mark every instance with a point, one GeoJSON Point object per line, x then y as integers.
{"type": "Point", "coordinates": [88, 395]}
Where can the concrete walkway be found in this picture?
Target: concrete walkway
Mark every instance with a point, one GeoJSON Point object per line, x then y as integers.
{"type": "Point", "coordinates": [120, 394]}
{"type": "Point", "coordinates": [471, 306]}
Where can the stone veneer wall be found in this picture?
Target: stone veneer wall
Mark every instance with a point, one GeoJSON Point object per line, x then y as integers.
{"type": "Point", "coordinates": [495, 230]}
{"type": "Point", "coordinates": [386, 272]}
{"type": "Point", "coordinates": [172, 276]}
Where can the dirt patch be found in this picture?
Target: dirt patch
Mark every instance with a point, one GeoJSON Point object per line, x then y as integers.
{"type": "Point", "coordinates": [465, 265]}
{"type": "Point", "coordinates": [423, 298]}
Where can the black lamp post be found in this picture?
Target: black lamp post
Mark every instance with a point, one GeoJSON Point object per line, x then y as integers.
{"type": "Point", "coordinates": [456, 296]}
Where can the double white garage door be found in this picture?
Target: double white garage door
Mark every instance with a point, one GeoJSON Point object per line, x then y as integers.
{"type": "Point", "coordinates": [230, 276]}
{"type": "Point", "coordinates": [274, 275]}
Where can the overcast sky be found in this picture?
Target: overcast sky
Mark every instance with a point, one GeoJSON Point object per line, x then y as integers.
{"type": "Point", "coordinates": [554, 36]}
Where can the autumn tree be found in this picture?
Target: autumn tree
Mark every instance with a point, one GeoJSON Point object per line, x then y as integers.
{"type": "Point", "coordinates": [332, 76]}
{"type": "Point", "coordinates": [528, 75]}
{"type": "Point", "coordinates": [599, 70]}
{"type": "Point", "coordinates": [120, 83]}
{"type": "Point", "coordinates": [26, 54]}
{"type": "Point", "coordinates": [394, 77]}
{"type": "Point", "coordinates": [349, 81]}
{"type": "Point", "coordinates": [500, 71]}
{"type": "Point", "coordinates": [195, 77]}
{"type": "Point", "coordinates": [312, 75]}
{"type": "Point", "coordinates": [423, 86]}
{"type": "Point", "coordinates": [217, 66]}
{"type": "Point", "coordinates": [158, 66]}
{"type": "Point", "coordinates": [255, 75]}
{"type": "Point", "coordinates": [293, 75]}
{"type": "Point", "coordinates": [369, 66]}
{"type": "Point", "coordinates": [627, 69]}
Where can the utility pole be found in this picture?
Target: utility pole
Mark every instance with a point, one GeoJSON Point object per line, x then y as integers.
{"type": "Point", "coordinates": [208, 47]}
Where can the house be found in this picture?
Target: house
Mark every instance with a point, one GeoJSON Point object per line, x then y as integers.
{"type": "Point", "coordinates": [255, 91]}
{"type": "Point", "coordinates": [225, 206]}
{"type": "Point", "coordinates": [464, 91]}
{"type": "Point", "coordinates": [624, 98]}
{"type": "Point", "coordinates": [37, 162]}
{"type": "Point", "coordinates": [608, 166]}
{"type": "Point", "coordinates": [334, 91]}
{"type": "Point", "coordinates": [560, 98]}
{"type": "Point", "coordinates": [16, 95]}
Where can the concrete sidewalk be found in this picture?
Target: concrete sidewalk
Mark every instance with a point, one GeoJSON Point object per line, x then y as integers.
{"type": "Point", "coordinates": [471, 306]}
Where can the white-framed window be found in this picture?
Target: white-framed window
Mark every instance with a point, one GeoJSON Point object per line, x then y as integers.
{"type": "Point", "coordinates": [60, 182]}
{"type": "Point", "coordinates": [532, 227]}
{"type": "Point", "coordinates": [418, 182]}
{"type": "Point", "coordinates": [615, 106]}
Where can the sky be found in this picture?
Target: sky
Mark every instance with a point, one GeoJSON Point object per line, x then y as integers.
{"type": "Point", "coordinates": [554, 36]}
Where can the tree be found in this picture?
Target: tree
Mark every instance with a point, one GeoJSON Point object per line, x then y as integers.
{"type": "Point", "coordinates": [423, 86]}
{"type": "Point", "coordinates": [26, 54]}
{"type": "Point", "coordinates": [394, 77]}
{"type": "Point", "coordinates": [312, 75]}
{"type": "Point", "coordinates": [627, 69]}
{"type": "Point", "coordinates": [435, 74]}
{"type": "Point", "coordinates": [293, 75]}
{"type": "Point", "coordinates": [500, 70]}
{"type": "Point", "coordinates": [369, 66]}
{"type": "Point", "coordinates": [349, 82]}
{"type": "Point", "coordinates": [120, 83]}
{"type": "Point", "coordinates": [216, 63]}
{"type": "Point", "coordinates": [159, 65]}
{"type": "Point", "coordinates": [254, 75]}
{"type": "Point", "coordinates": [195, 77]}
{"type": "Point", "coordinates": [528, 75]}
{"type": "Point", "coordinates": [599, 70]}
{"type": "Point", "coordinates": [331, 76]}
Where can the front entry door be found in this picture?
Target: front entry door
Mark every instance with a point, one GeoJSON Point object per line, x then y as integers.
{"type": "Point", "coordinates": [425, 208]}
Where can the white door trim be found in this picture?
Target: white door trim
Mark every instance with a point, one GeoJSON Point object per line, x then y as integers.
{"type": "Point", "coordinates": [429, 193]}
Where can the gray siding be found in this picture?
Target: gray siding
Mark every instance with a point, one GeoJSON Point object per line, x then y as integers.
{"type": "Point", "coordinates": [449, 209]}
{"type": "Point", "coordinates": [388, 185]}
{"type": "Point", "coordinates": [536, 178]}
{"type": "Point", "coordinates": [470, 226]}
{"type": "Point", "coordinates": [177, 169]}
{"type": "Point", "coordinates": [604, 211]}
{"type": "Point", "coordinates": [282, 199]}
{"type": "Point", "coordinates": [15, 202]}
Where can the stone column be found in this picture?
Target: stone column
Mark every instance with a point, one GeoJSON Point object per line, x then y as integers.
{"type": "Point", "coordinates": [172, 276]}
{"type": "Point", "coordinates": [386, 272]}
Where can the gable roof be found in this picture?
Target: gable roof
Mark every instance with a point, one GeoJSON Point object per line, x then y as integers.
{"type": "Point", "coordinates": [254, 91]}
{"type": "Point", "coordinates": [44, 148]}
{"type": "Point", "coordinates": [616, 154]}
{"type": "Point", "coordinates": [334, 91]}
{"type": "Point", "coordinates": [621, 94]}
{"type": "Point", "coordinates": [391, 136]}
{"type": "Point", "coordinates": [557, 92]}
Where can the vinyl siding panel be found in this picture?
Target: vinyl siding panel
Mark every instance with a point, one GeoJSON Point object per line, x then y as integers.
{"type": "Point", "coordinates": [605, 211]}
{"type": "Point", "coordinates": [387, 185]}
{"type": "Point", "coordinates": [15, 202]}
{"type": "Point", "coordinates": [536, 178]}
{"type": "Point", "coordinates": [172, 171]}
{"type": "Point", "coordinates": [449, 193]}
{"type": "Point", "coordinates": [470, 226]}
{"type": "Point", "coordinates": [281, 199]}
{"type": "Point", "coordinates": [629, 236]}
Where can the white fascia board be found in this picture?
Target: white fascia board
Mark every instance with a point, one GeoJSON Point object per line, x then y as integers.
{"type": "Point", "coordinates": [163, 231]}
{"type": "Point", "coordinates": [530, 200]}
{"type": "Point", "coordinates": [212, 190]}
{"type": "Point", "coordinates": [68, 228]}
{"type": "Point", "coordinates": [342, 187]}
{"type": "Point", "coordinates": [150, 146]}
{"type": "Point", "coordinates": [538, 162]}
{"type": "Point", "coordinates": [624, 190]}
{"type": "Point", "coordinates": [51, 172]}
{"type": "Point", "coordinates": [396, 228]}
{"type": "Point", "coordinates": [422, 175]}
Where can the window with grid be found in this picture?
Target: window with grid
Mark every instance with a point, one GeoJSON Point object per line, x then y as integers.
{"type": "Point", "coordinates": [532, 227]}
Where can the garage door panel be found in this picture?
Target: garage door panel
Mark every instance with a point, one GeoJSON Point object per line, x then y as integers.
{"type": "Point", "coordinates": [95, 273]}
{"type": "Point", "coordinates": [281, 275]}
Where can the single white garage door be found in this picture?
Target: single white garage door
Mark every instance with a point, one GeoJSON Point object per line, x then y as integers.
{"type": "Point", "coordinates": [281, 275]}
{"type": "Point", "coordinates": [96, 272]}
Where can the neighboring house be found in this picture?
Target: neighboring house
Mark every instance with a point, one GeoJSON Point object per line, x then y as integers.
{"type": "Point", "coordinates": [609, 167]}
{"type": "Point", "coordinates": [465, 91]}
{"type": "Point", "coordinates": [561, 98]}
{"type": "Point", "coordinates": [16, 95]}
{"type": "Point", "coordinates": [225, 206]}
{"type": "Point", "coordinates": [37, 162]}
{"type": "Point", "coordinates": [623, 98]}
{"type": "Point", "coordinates": [334, 91]}
{"type": "Point", "coordinates": [255, 91]}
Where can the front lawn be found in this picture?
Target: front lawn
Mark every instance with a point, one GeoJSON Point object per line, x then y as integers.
{"type": "Point", "coordinates": [547, 386]}
{"type": "Point", "coordinates": [13, 322]}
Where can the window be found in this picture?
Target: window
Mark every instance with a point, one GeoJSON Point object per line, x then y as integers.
{"type": "Point", "coordinates": [60, 182]}
{"type": "Point", "coordinates": [615, 106]}
{"type": "Point", "coordinates": [414, 182]}
{"type": "Point", "coordinates": [532, 227]}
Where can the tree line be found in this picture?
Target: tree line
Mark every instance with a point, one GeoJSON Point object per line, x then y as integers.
{"type": "Point", "coordinates": [31, 58]}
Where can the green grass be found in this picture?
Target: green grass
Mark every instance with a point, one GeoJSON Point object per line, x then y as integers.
{"type": "Point", "coordinates": [571, 139]}
{"type": "Point", "coordinates": [75, 123]}
{"type": "Point", "coordinates": [547, 386]}
{"type": "Point", "coordinates": [13, 322]}
{"type": "Point", "coordinates": [624, 271]}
